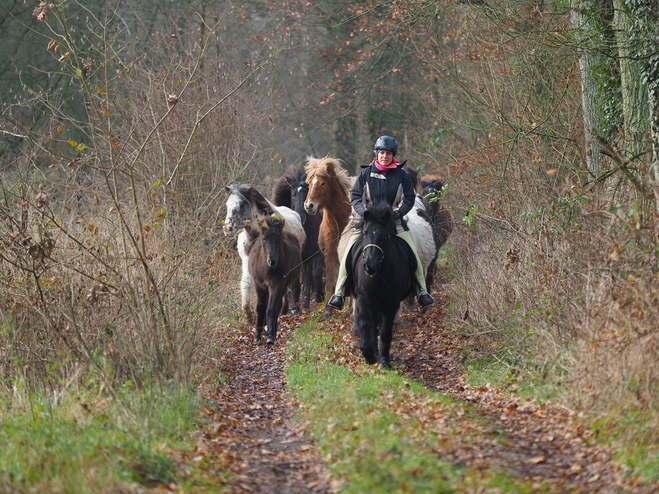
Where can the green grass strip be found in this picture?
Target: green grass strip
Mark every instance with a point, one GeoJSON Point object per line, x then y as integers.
{"type": "Point", "coordinates": [379, 432]}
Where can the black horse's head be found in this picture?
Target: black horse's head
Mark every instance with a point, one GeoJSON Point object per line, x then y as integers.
{"type": "Point", "coordinates": [291, 191]}
{"type": "Point", "coordinates": [271, 234]}
{"type": "Point", "coordinates": [378, 226]}
{"type": "Point", "coordinates": [299, 191]}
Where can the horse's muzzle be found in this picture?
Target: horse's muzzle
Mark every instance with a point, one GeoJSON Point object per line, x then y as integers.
{"type": "Point", "coordinates": [230, 232]}
{"type": "Point", "coordinates": [271, 262]}
{"type": "Point", "coordinates": [311, 208]}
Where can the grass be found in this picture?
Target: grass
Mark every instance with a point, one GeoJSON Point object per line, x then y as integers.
{"type": "Point", "coordinates": [632, 438]}
{"type": "Point", "coordinates": [525, 381]}
{"type": "Point", "coordinates": [379, 432]}
{"type": "Point", "coordinates": [85, 442]}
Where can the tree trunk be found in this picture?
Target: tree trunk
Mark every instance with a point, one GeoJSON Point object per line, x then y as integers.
{"type": "Point", "coordinates": [635, 108]}
{"type": "Point", "coordinates": [588, 59]}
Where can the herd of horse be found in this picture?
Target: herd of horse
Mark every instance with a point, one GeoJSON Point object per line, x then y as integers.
{"type": "Point", "coordinates": [291, 246]}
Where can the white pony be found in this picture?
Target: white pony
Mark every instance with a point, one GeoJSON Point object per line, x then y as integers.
{"type": "Point", "coordinates": [245, 206]}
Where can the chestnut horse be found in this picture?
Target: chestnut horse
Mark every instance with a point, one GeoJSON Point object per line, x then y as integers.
{"type": "Point", "coordinates": [329, 190]}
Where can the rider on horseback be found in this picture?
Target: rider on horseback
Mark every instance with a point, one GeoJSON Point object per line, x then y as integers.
{"type": "Point", "coordinates": [385, 179]}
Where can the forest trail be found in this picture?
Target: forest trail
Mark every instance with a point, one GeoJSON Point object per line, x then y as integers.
{"type": "Point", "coordinates": [252, 433]}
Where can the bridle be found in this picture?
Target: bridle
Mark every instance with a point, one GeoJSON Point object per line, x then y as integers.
{"type": "Point", "coordinates": [372, 245]}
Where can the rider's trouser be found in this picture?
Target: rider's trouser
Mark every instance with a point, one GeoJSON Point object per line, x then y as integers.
{"type": "Point", "coordinates": [343, 272]}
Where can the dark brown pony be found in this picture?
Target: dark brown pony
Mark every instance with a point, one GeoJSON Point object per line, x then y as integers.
{"type": "Point", "coordinates": [329, 188]}
{"type": "Point", "coordinates": [291, 191]}
{"type": "Point", "coordinates": [274, 262]}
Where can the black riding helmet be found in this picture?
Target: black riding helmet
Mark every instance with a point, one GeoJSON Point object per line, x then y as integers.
{"type": "Point", "coordinates": [386, 142]}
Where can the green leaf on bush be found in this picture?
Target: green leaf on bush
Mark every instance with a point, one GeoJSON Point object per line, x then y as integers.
{"type": "Point", "coordinates": [81, 148]}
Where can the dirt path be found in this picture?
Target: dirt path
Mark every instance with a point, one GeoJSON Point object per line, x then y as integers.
{"type": "Point", "coordinates": [253, 435]}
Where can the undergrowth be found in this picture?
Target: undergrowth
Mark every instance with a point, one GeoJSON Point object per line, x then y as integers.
{"type": "Point", "coordinates": [87, 440]}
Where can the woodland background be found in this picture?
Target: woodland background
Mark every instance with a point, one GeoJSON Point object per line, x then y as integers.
{"type": "Point", "coordinates": [122, 121]}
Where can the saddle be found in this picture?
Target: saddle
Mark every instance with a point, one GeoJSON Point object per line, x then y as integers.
{"type": "Point", "coordinates": [356, 251]}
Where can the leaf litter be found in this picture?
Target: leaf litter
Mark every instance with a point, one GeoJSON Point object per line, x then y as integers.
{"type": "Point", "coordinates": [252, 435]}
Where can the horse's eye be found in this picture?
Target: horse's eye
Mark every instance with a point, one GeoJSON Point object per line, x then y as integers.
{"type": "Point", "coordinates": [322, 184]}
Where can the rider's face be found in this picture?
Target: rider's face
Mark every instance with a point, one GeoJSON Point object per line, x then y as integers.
{"type": "Point", "coordinates": [385, 157]}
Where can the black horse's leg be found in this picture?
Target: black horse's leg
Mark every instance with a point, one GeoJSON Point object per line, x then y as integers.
{"type": "Point", "coordinates": [261, 305]}
{"type": "Point", "coordinates": [272, 313]}
{"type": "Point", "coordinates": [364, 325]}
{"type": "Point", "coordinates": [386, 334]}
{"type": "Point", "coordinates": [295, 292]}
{"type": "Point", "coordinates": [307, 277]}
{"type": "Point", "coordinates": [318, 268]}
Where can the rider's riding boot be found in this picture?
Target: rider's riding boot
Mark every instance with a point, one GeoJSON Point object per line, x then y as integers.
{"type": "Point", "coordinates": [425, 300]}
{"type": "Point", "coordinates": [336, 302]}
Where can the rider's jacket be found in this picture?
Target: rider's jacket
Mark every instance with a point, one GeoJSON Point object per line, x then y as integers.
{"type": "Point", "coordinates": [384, 187]}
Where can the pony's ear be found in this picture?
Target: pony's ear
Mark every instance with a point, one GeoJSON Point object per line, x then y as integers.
{"type": "Point", "coordinates": [366, 197]}
{"type": "Point", "coordinates": [367, 214]}
{"type": "Point", "coordinates": [387, 215]}
{"type": "Point", "coordinates": [331, 170]}
{"type": "Point", "coordinates": [262, 224]}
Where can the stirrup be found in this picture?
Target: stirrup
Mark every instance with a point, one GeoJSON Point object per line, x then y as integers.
{"type": "Point", "coordinates": [425, 300]}
{"type": "Point", "coordinates": [336, 302]}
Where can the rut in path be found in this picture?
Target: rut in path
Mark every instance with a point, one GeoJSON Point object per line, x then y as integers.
{"type": "Point", "coordinates": [544, 443]}
{"type": "Point", "coordinates": [253, 434]}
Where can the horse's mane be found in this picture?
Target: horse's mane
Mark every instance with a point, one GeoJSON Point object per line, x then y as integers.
{"type": "Point", "coordinates": [377, 211]}
{"type": "Point", "coordinates": [328, 168]}
{"type": "Point", "coordinates": [281, 192]}
{"type": "Point", "coordinates": [432, 181]}
{"type": "Point", "coordinates": [253, 196]}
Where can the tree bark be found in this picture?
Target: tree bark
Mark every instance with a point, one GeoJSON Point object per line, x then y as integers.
{"type": "Point", "coordinates": [592, 116]}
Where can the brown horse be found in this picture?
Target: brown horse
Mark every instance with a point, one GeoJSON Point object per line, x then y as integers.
{"type": "Point", "coordinates": [329, 187]}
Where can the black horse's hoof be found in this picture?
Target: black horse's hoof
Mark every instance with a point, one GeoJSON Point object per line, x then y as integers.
{"type": "Point", "coordinates": [270, 340]}
{"type": "Point", "coordinates": [385, 365]}
{"type": "Point", "coordinates": [295, 310]}
{"type": "Point", "coordinates": [369, 356]}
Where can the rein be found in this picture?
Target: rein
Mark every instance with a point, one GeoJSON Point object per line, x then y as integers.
{"type": "Point", "coordinates": [319, 250]}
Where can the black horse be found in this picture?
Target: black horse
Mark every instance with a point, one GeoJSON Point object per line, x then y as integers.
{"type": "Point", "coordinates": [274, 262]}
{"type": "Point", "coordinates": [291, 191]}
{"type": "Point", "coordinates": [381, 275]}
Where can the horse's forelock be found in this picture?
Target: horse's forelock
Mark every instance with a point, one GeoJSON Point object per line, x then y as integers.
{"type": "Point", "coordinates": [327, 168]}
{"type": "Point", "coordinates": [377, 213]}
